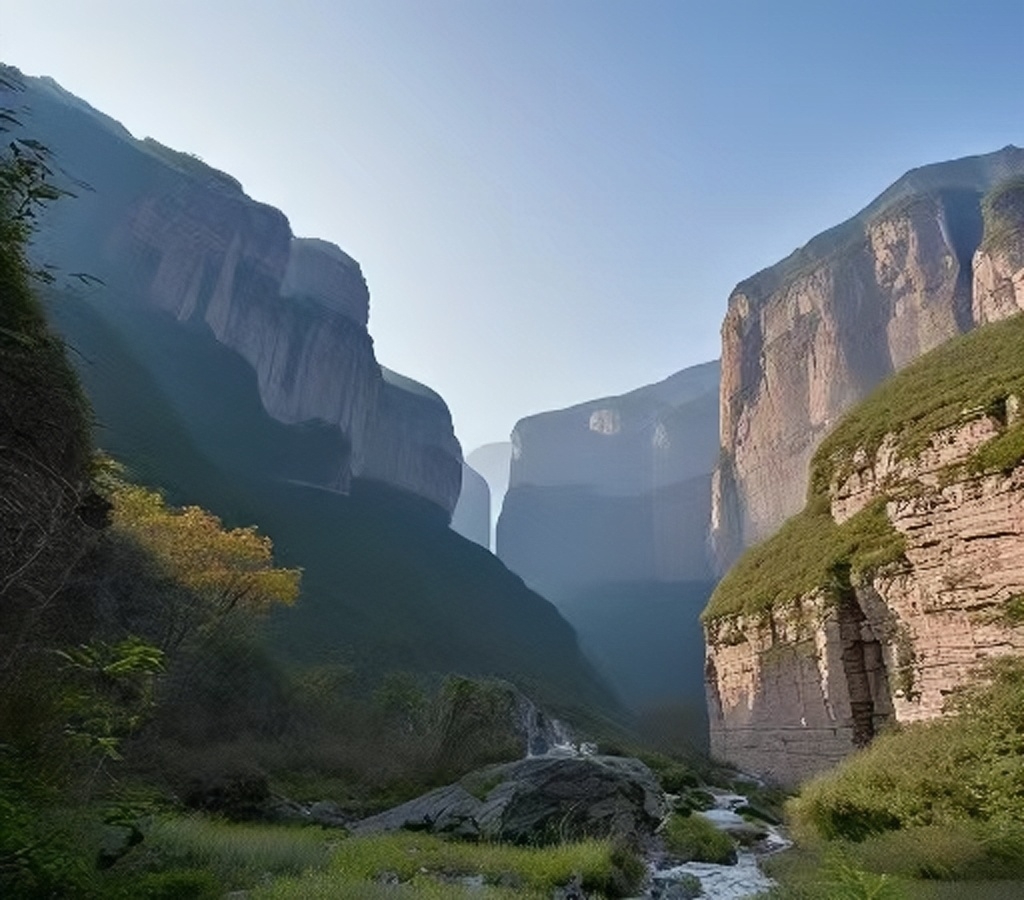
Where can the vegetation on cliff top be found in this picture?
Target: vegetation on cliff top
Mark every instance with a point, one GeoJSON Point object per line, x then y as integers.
{"type": "Point", "coordinates": [971, 375]}
{"type": "Point", "coordinates": [1003, 213]}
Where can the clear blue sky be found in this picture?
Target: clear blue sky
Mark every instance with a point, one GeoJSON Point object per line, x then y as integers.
{"type": "Point", "coordinates": [551, 199]}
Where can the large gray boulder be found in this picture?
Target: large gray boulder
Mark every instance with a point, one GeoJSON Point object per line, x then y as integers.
{"type": "Point", "coordinates": [540, 800]}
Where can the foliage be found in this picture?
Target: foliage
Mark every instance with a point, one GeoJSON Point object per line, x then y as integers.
{"type": "Point", "coordinates": [965, 768]}
{"type": "Point", "coordinates": [694, 839]}
{"type": "Point", "coordinates": [223, 568]}
{"type": "Point", "coordinates": [809, 552]}
{"type": "Point", "coordinates": [111, 692]}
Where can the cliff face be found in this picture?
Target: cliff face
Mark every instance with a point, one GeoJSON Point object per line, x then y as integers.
{"type": "Point", "coordinates": [165, 231]}
{"type": "Point", "coordinates": [797, 683]}
{"type": "Point", "coordinates": [806, 339]}
{"type": "Point", "coordinates": [615, 489]}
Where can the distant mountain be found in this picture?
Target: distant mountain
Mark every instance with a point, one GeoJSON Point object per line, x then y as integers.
{"type": "Point", "coordinates": [472, 516]}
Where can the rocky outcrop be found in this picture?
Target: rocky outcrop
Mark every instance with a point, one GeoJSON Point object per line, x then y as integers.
{"type": "Point", "coordinates": [795, 688]}
{"type": "Point", "coordinates": [165, 231]}
{"type": "Point", "coordinates": [805, 339]}
{"type": "Point", "coordinates": [537, 801]}
{"type": "Point", "coordinates": [614, 490]}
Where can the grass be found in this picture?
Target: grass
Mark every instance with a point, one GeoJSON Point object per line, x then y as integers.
{"type": "Point", "coordinates": [694, 839]}
{"type": "Point", "coordinates": [240, 855]}
{"type": "Point", "coordinates": [966, 768]}
{"type": "Point", "coordinates": [282, 862]}
{"type": "Point", "coordinates": [809, 552]}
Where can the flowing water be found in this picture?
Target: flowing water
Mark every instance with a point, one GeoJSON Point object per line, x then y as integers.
{"type": "Point", "coordinates": [736, 882]}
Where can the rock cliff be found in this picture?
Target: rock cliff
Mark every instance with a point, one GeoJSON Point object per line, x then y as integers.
{"type": "Point", "coordinates": [807, 338]}
{"type": "Point", "coordinates": [615, 489]}
{"type": "Point", "coordinates": [904, 572]}
{"type": "Point", "coordinates": [165, 231]}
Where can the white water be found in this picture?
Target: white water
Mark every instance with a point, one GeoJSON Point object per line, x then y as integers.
{"type": "Point", "coordinates": [738, 882]}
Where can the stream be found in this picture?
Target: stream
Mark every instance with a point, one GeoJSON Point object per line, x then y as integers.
{"type": "Point", "coordinates": [719, 882]}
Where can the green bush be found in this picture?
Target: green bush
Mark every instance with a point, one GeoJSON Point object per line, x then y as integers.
{"type": "Point", "coordinates": [967, 768]}
{"type": "Point", "coordinates": [694, 839]}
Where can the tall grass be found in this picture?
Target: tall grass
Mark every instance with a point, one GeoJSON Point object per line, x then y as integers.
{"type": "Point", "coordinates": [240, 854]}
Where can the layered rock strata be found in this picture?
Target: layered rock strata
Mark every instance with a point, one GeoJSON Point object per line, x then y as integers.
{"type": "Point", "coordinates": [805, 339]}
{"type": "Point", "coordinates": [795, 688]}
{"type": "Point", "coordinates": [165, 231]}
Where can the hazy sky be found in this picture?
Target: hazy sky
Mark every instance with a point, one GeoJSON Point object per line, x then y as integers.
{"type": "Point", "coordinates": [551, 199]}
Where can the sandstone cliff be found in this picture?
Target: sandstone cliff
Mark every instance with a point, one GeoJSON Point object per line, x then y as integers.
{"type": "Point", "coordinates": [805, 339]}
{"type": "Point", "coordinates": [904, 572]}
{"type": "Point", "coordinates": [615, 489]}
{"type": "Point", "coordinates": [167, 232]}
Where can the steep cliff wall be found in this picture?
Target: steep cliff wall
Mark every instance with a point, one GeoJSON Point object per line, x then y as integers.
{"type": "Point", "coordinates": [805, 339]}
{"type": "Point", "coordinates": [165, 231]}
{"type": "Point", "coordinates": [904, 572]}
{"type": "Point", "coordinates": [616, 489]}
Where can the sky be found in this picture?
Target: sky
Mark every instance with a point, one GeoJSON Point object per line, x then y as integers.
{"type": "Point", "coordinates": [551, 200]}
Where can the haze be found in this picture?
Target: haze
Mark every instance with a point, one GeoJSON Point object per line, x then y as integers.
{"type": "Point", "coordinates": [550, 200]}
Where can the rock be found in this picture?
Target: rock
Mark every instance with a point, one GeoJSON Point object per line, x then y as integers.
{"type": "Point", "coordinates": [794, 691]}
{"type": "Point", "coordinates": [166, 232]}
{"type": "Point", "coordinates": [329, 814]}
{"type": "Point", "coordinates": [804, 340]}
{"type": "Point", "coordinates": [542, 800]}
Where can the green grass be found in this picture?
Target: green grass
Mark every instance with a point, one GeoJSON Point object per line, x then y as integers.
{"type": "Point", "coordinates": [299, 862]}
{"type": "Point", "coordinates": [598, 863]}
{"type": "Point", "coordinates": [694, 839]}
{"type": "Point", "coordinates": [809, 552]}
{"type": "Point", "coordinates": [965, 771]}
{"type": "Point", "coordinates": [240, 855]}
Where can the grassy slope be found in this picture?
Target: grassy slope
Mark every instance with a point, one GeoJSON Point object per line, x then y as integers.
{"type": "Point", "coordinates": [968, 375]}
{"type": "Point", "coordinates": [386, 583]}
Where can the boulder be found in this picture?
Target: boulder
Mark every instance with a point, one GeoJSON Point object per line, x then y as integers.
{"type": "Point", "coordinates": [541, 800]}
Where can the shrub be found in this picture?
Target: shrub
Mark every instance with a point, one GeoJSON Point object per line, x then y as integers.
{"type": "Point", "coordinates": [694, 839]}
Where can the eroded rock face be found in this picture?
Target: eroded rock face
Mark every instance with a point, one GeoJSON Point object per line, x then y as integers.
{"type": "Point", "coordinates": [167, 232]}
{"type": "Point", "coordinates": [616, 489]}
{"type": "Point", "coordinates": [793, 691]}
{"type": "Point", "coordinates": [537, 801]}
{"type": "Point", "coordinates": [805, 339]}
{"type": "Point", "coordinates": [472, 516]}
